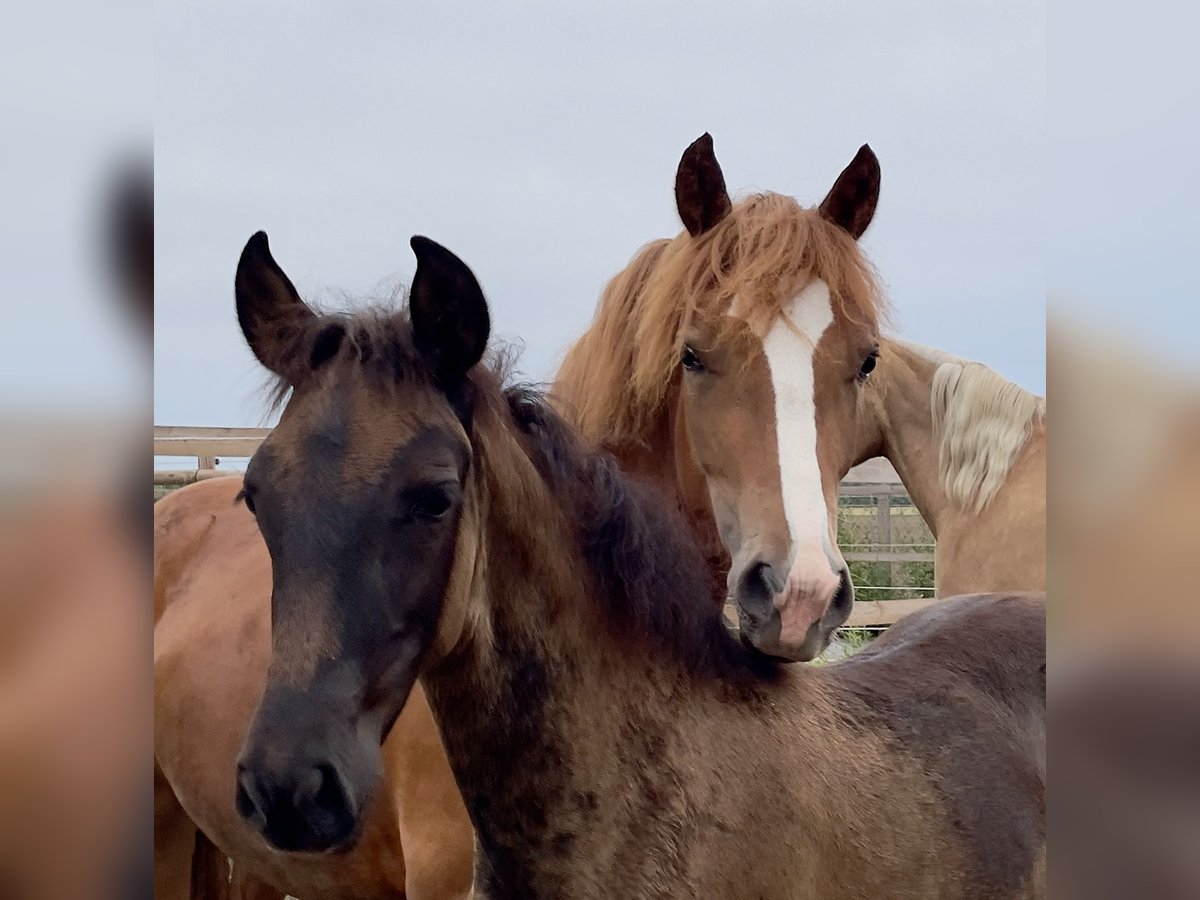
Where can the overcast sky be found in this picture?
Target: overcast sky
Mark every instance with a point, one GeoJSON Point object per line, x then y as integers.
{"type": "Point", "coordinates": [540, 144]}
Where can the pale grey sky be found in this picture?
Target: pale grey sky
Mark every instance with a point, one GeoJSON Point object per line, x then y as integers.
{"type": "Point", "coordinates": [1123, 148]}
{"type": "Point", "coordinates": [539, 142]}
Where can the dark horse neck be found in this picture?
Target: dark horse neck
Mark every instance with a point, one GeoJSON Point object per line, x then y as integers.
{"type": "Point", "coordinates": [561, 716]}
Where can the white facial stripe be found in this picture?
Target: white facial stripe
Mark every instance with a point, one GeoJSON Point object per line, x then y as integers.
{"type": "Point", "coordinates": [789, 352]}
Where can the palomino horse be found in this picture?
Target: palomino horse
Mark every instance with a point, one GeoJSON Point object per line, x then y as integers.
{"type": "Point", "coordinates": [970, 448]}
{"type": "Point", "coordinates": [740, 364]}
{"type": "Point", "coordinates": [610, 737]}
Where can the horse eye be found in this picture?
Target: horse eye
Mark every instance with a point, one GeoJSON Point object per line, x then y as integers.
{"type": "Point", "coordinates": [868, 365]}
{"type": "Point", "coordinates": [690, 360]}
{"type": "Point", "coordinates": [247, 498]}
{"type": "Point", "coordinates": [430, 503]}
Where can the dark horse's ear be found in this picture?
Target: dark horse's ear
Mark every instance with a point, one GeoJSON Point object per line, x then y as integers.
{"type": "Point", "coordinates": [274, 319]}
{"type": "Point", "coordinates": [700, 193]}
{"type": "Point", "coordinates": [449, 314]}
{"type": "Point", "coordinates": [851, 201]}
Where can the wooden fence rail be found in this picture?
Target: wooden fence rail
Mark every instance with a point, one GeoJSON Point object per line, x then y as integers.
{"type": "Point", "coordinates": [208, 446]}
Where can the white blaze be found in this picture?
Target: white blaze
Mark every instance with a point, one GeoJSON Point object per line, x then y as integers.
{"type": "Point", "coordinates": [789, 350]}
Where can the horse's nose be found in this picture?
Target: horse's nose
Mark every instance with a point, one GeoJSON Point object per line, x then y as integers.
{"type": "Point", "coordinates": [309, 811]}
{"type": "Point", "coordinates": [792, 618]}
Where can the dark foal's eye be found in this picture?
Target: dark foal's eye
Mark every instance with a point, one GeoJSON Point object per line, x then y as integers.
{"type": "Point", "coordinates": [690, 361]}
{"type": "Point", "coordinates": [868, 365]}
{"type": "Point", "coordinates": [430, 502]}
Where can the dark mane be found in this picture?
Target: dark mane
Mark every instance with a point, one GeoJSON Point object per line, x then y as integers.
{"type": "Point", "coordinates": [649, 572]}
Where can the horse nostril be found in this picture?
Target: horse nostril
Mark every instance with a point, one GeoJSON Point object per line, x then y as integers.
{"type": "Point", "coordinates": [843, 599]}
{"type": "Point", "coordinates": [770, 578]}
{"type": "Point", "coordinates": [322, 799]}
{"type": "Point", "coordinates": [755, 595]}
{"type": "Point", "coordinates": [330, 795]}
{"type": "Point", "coordinates": [249, 801]}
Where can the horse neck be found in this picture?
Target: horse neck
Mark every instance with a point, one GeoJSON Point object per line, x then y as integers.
{"type": "Point", "coordinates": [534, 637]}
{"type": "Point", "coordinates": [537, 699]}
{"type": "Point", "coordinates": [902, 414]}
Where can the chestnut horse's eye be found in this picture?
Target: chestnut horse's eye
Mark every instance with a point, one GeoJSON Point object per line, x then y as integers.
{"type": "Point", "coordinates": [430, 503]}
{"type": "Point", "coordinates": [247, 497]}
{"type": "Point", "coordinates": [690, 360]}
{"type": "Point", "coordinates": [868, 365]}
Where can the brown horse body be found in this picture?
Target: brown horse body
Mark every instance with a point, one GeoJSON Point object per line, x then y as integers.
{"type": "Point", "coordinates": [212, 643]}
{"type": "Point", "coordinates": [610, 737]}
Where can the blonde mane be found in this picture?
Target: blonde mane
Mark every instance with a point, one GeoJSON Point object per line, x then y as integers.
{"type": "Point", "coordinates": [981, 422]}
{"type": "Point", "coordinates": [616, 377]}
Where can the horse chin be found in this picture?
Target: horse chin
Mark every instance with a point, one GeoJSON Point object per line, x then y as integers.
{"type": "Point", "coordinates": [763, 637]}
{"type": "Point", "coordinates": [805, 652]}
{"type": "Point", "coordinates": [763, 640]}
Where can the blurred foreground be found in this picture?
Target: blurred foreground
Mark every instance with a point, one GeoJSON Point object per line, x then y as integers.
{"type": "Point", "coordinates": [76, 253]}
{"type": "Point", "coordinates": [1124, 629]}
{"type": "Point", "coordinates": [75, 642]}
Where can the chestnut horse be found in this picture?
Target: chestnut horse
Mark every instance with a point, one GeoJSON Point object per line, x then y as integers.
{"type": "Point", "coordinates": [609, 736]}
{"type": "Point", "coordinates": [725, 339]}
{"type": "Point", "coordinates": [752, 377]}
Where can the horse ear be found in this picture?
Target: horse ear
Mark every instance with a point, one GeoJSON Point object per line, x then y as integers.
{"type": "Point", "coordinates": [700, 193]}
{"type": "Point", "coordinates": [850, 203]}
{"type": "Point", "coordinates": [450, 318]}
{"type": "Point", "coordinates": [274, 319]}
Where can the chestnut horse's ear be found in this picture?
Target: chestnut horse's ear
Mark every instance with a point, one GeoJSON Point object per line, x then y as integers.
{"type": "Point", "coordinates": [450, 318]}
{"type": "Point", "coordinates": [851, 201]}
{"type": "Point", "coordinates": [274, 319]}
{"type": "Point", "coordinates": [700, 193]}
